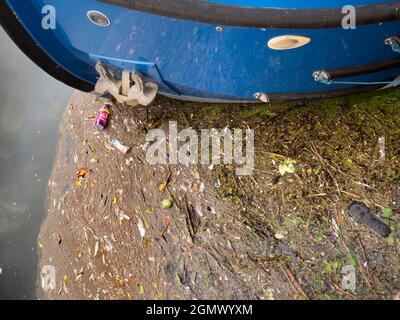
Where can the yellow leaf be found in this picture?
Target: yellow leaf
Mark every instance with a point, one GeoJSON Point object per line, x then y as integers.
{"type": "Point", "coordinates": [141, 289]}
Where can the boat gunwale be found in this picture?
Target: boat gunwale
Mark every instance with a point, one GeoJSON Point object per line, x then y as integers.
{"type": "Point", "coordinates": [16, 31]}
{"type": "Point", "coordinates": [279, 18]}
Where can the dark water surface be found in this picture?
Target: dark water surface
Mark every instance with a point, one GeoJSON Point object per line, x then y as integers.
{"type": "Point", "coordinates": [31, 106]}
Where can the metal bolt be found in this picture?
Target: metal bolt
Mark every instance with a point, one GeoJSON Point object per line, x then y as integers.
{"type": "Point", "coordinates": [263, 97]}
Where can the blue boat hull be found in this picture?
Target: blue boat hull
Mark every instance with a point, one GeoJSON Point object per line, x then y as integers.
{"type": "Point", "coordinates": [220, 59]}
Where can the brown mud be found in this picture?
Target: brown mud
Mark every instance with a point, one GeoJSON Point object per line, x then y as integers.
{"type": "Point", "coordinates": [282, 233]}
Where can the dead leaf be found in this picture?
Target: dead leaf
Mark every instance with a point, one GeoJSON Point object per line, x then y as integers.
{"type": "Point", "coordinates": [57, 238]}
{"type": "Point", "coordinates": [81, 173]}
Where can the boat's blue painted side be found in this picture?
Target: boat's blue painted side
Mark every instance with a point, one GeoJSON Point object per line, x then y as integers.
{"type": "Point", "coordinates": [194, 59]}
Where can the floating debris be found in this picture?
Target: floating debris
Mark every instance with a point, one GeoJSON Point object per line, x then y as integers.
{"type": "Point", "coordinates": [382, 149]}
{"type": "Point", "coordinates": [102, 116]}
{"type": "Point", "coordinates": [352, 259]}
{"type": "Point", "coordinates": [387, 213]}
{"type": "Point", "coordinates": [279, 236]}
{"type": "Point", "coordinates": [362, 214]}
{"type": "Point", "coordinates": [96, 249]}
{"type": "Point", "coordinates": [81, 173]}
{"type": "Point", "coordinates": [318, 170]}
{"type": "Point", "coordinates": [118, 145]}
{"type": "Point", "coordinates": [287, 167]}
{"type": "Point", "coordinates": [129, 161]}
{"type": "Point", "coordinates": [164, 185]}
{"type": "Point", "coordinates": [122, 216]}
{"type": "Point", "coordinates": [167, 203]}
{"type": "Point", "coordinates": [141, 228]}
{"type": "Point", "coordinates": [126, 124]}
{"type": "Point", "coordinates": [141, 290]}
{"type": "Point", "coordinates": [57, 238]}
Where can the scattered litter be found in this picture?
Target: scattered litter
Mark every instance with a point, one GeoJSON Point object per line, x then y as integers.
{"type": "Point", "coordinates": [362, 214]}
{"type": "Point", "coordinates": [382, 149]}
{"type": "Point", "coordinates": [195, 174]}
{"type": "Point", "coordinates": [114, 200]}
{"type": "Point", "coordinates": [141, 290]}
{"type": "Point", "coordinates": [108, 245]}
{"type": "Point", "coordinates": [81, 173]}
{"type": "Point", "coordinates": [161, 187]}
{"type": "Point", "coordinates": [166, 220]}
{"type": "Point", "coordinates": [118, 145]}
{"type": "Point", "coordinates": [199, 210]}
{"type": "Point", "coordinates": [279, 236]}
{"type": "Point", "coordinates": [91, 118]}
{"type": "Point", "coordinates": [217, 184]}
{"type": "Point", "coordinates": [57, 238]}
{"type": "Point", "coordinates": [212, 210]}
{"type": "Point", "coordinates": [122, 216]}
{"type": "Point", "coordinates": [167, 203]}
{"type": "Point", "coordinates": [103, 201]}
{"type": "Point", "coordinates": [102, 116]}
{"type": "Point", "coordinates": [126, 124]}
{"type": "Point", "coordinates": [318, 170]}
{"type": "Point", "coordinates": [336, 227]}
{"type": "Point", "coordinates": [142, 230]}
{"type": "Point", "coordinates": [129, 161]}
{"type": "Point", "coordinates": [287, 167]}
{"type": "Point", "coordinates": [387, 213]}
{"type": "Point", "coordinates": [165, 183]}
{"type": "Point", "coordinates": [391, 240]}
{"type": "Point", "coordinates": [96, 249]}
{"type": "Point", "coordinates": [352, 259]}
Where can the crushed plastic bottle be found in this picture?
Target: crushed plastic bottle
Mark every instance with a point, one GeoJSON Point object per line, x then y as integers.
{"type": "Point", "coordinates": [118, 145]}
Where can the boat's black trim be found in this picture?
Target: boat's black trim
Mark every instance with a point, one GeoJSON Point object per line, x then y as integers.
{"type": "Point", "coordinates": [284, 97]}
{"type": "Point", "coordinates": [21, 38]}
{"type": "Point", "coordinates": [334, 93]}
{"type": "Point", "coordinates": [345, 72]}
{"type": "Point", "coordinates": [233, 15]}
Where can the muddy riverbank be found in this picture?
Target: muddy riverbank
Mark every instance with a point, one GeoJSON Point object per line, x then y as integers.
{"type": "Point", "coordinates": [282, 233]}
